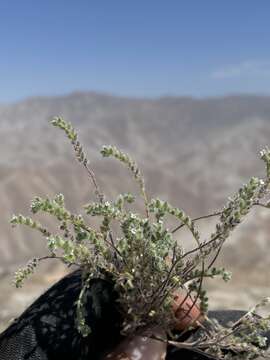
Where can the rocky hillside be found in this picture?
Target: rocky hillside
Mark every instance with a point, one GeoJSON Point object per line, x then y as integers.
{"type": "Point", "coordinates": [193, 152]}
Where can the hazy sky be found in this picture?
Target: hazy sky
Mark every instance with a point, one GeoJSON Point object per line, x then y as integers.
{"type": "Point", "coordinates": [134, 47]}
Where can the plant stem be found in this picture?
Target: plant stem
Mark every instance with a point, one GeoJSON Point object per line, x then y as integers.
{"type": "Point", "coordinates": [196, 219]}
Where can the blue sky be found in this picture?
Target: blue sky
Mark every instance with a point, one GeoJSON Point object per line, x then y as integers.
{"type": "Point", "coordinates": [134, 48]}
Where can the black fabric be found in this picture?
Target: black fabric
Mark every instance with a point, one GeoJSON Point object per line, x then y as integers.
{"type": "Point", "coordinates": [47, 330]}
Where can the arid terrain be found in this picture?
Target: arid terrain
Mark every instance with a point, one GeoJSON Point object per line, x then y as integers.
{"type": "Point", "coordinates": [193, 152]}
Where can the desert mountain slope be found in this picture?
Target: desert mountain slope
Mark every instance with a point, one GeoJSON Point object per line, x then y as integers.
{"type": "Point", "coordinates": [193, 152]}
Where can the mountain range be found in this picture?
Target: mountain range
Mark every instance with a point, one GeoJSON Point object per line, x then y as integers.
{"type": "Point", "coordinates": [193, 152]}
